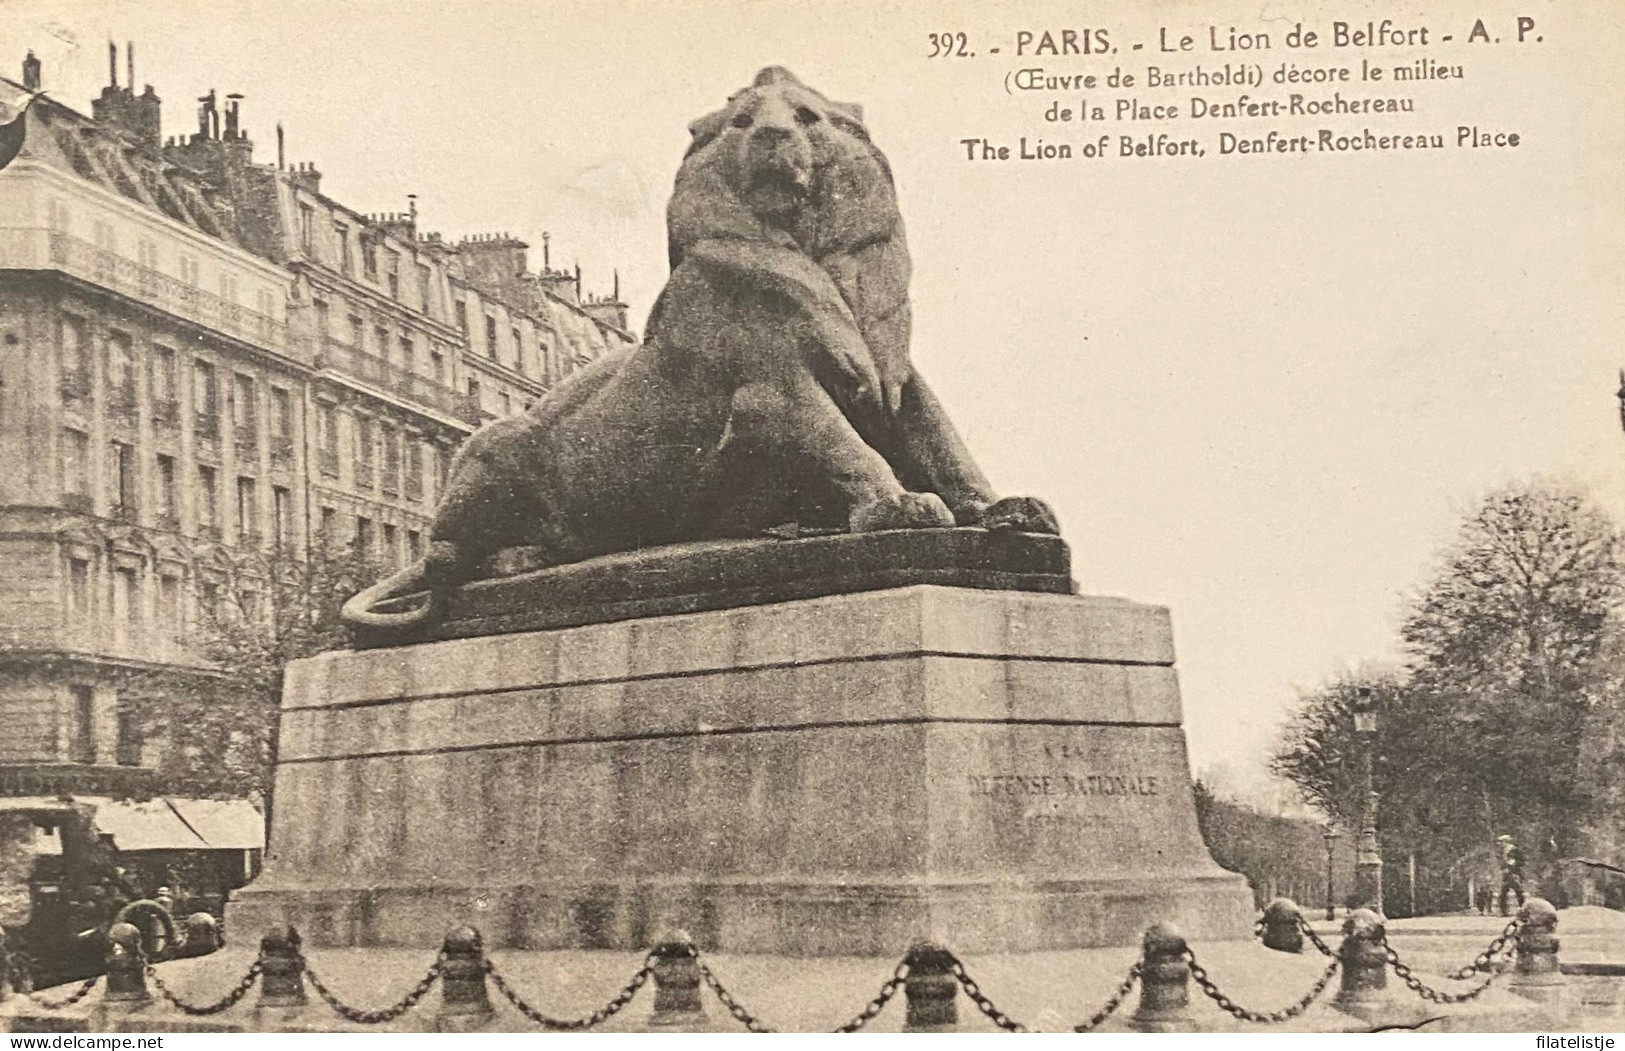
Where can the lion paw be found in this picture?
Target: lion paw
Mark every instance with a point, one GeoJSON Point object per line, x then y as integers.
{"type": "Point", "coordinates": [904, 511]}
{"type": "Point", "coordinates": [1020, 514]}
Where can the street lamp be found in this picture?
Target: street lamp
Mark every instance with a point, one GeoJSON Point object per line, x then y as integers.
{"type": "Point", "coordinates": [1368, 860]}
{"type": "Point", "coordinates": [1331, 835]}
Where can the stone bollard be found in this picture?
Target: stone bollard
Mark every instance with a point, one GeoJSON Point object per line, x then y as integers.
{"type": "Point", "coordinates": [200, 936]}
{"type": "Point", "coordinates": [282, 970]}
{"type": "Point", "coordinates": [1537, 974]}
{"type": "Point", "coordinates": [1165, 974]}
{"type": "Point", "coordinates": [465, 1005]}
{"type": "Point", "coordinates": [930, 989]}
{"type": "Point", "coordinates": [126, 967]}
{"type": "Point", "coordinates": [1283, 926]}
{"type": "Point", "coordinates": [677, 983]}
{"type": "Point", "coordinates": [1363, 954]}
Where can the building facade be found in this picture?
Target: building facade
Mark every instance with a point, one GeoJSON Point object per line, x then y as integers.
{"type": "Point", "coordinates": [208, 367]}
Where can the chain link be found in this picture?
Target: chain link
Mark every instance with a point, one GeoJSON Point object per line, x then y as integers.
{"type": "Point", "coordinates": [1114, 1003]}
{"type": "Point", "coordinates": [888, 989]}
{"type": "Point", "coordinates": [983, 1004]}
{"type": "Point", "coordinates": [1485, 960]}
{"type": "Point", "coordinates": [598, 1017]}
{"type": "Point", "coordinates": [735, 1008]}
{"type": "Point", "coordinates": [1315, 939]}
{"type": "Point", "coordinates": [1417, 986]}
{"type": "Point", "coordinates": [237, 993]}
{"type": "Point", "coordinates": [1235, 1010]}
{"type": "Point", "coordinates": [381, 1015]}
{"type": "Point", "coordinates": [69, 1000]}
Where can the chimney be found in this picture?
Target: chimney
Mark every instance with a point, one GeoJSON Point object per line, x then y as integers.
{"type": "Point", "coordinates": [304, 176]}
{"type": "Point", "coordinates": [112, 64]}
{"type": "Point", "coordinates": [31, 72]}
{"type": "Point", "coordinates": [129, 61]}
{"type": "Point", "coordinates": [232, 133]}
{"type": "Point", "coordinates": [280, 153]}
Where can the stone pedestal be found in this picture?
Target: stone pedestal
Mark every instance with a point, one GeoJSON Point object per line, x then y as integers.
{"type": "Point", "coordinates": [992, 770]}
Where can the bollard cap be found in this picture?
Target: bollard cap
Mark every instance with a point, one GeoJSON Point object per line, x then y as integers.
{"type": "Point", "coordinates": [463, 940]}
{"type": "Point", "coordinates": [281, 942]}
{"type": "Point", "coordinates": [1281, 909]}
{"type": "Point", "coordinates": [1538, 912]}
{"type": "Point", "coordinates": [675, 942]}
{"type": "Point", "coordinates": [124, 936]}
{"type": "Point", "coordinates": [1365, 923]}
{"type": "Point", "coordinates": [1164, 939]}
{"type": "Point", "coordinates": [924, 957]}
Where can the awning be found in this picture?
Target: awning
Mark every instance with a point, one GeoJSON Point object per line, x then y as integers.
{"type": "Point", "coordinates": [182, 824]}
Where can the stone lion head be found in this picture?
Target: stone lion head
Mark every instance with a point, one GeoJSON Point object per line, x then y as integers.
{"type": "Point", "coordinates": [781, 162]}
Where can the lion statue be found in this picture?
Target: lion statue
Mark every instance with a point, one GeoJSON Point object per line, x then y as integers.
{"type": "Point", "coordinates": [773, 385]}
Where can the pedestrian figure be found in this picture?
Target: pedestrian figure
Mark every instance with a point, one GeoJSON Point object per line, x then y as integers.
{"type": "Point", "coordinates": [1511, 872]}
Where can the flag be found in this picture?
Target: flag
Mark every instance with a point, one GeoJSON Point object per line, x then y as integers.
{"type": "Point", "coordinates": [14, 102]}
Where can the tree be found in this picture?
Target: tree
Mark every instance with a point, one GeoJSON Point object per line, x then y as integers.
{"type": "Point", "coordinates": [218, 720]}
{"type": "Point", "coordinates": [1509, 653]}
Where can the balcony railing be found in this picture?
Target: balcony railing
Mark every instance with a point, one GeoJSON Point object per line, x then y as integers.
{"type": "Point", "coordinates": [121, 403]}
{"type": "Point", "coordinates": [327, 461]}
{"type": "Point", "coordinates": [75, 385]}
{"type": "Point", "coordinates": [409, 385]}
{"type": "Point", "coordinates": [72, 779]}
{"type": "Point", "coordinates": [248, 441]}
{"type": "Point", "coordinates": [363, 474]}
{"type": "Point", "coordinates": [282, 450]}
{"type": "Point", "coordinates": [30, 249]}
{"type": "Point", "coordinates": [206, 425]}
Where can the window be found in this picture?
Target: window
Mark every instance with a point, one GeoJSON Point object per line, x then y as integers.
{"type": "Point", "coordinates": [507, 404]}
{"type": "Point", "coordinates": [394, 274]}
{"type": "Point", "coordinates": [414, 545]}
{"type": "Point", "coordinates": [282, 517]}
{"type": "Point", "coordinates": [169, 603]}
{"type": "Point", "coordinates": [189, 270]}
{"type": "Point", "coordinates": [122, 480]}
{"type": "Point", "coordinates": [437, 363]}
{"type": "Point", "coordinates": [330, 526]}
{"type": "Point", "coordinates": [208, 599]}
{"type": "Point", "coordinates": [76, 463]}
{"type": "Point", "coordinates": [103, 232]}
{"type": "Point", "coordinates": [369, 255]}
{"type": "Point", "coordinates": [408, 355]}
{"type": "Point", "coordinates": [363, 453]}
{"type": "Point", "coordinates": [245, 406]}
{"type": "Point", "coordinates": [79, 589]}
{"type": "Point", "coordinates": [205, 398]}
{"type": "Point", "coordinates": [357, 333]}
{"type": "Point", "coordinates": [462, 317]}
{"type": "Point", "coordinates": [126, 606]}
{"type": "Point", "coordinates": [127, 749]}
{"type": "Point", "coordinates": [57, 215]}
{"type": "Point", "coordinates": [491, 337]}
{"type": "Point", "coordinates": [248, 510]}
{"type": "Point", "coordinates": [327, 451]}
{"type": "Point", "coordinates": [341, 234]}
{"type": "Point", "coordinates": [392, 458]}
{"type": "Point", "coordinates": [163, 383]}
{"type": "Point", "coordinates": [146, 253]}
{"type": "Point", "coordinates": [518, 351]}
{"type": "Point", "coordinates": [121, 371]}
{"type": "Point", "coordinates": [282, 413]}
{"type": "Point", "coordinates": [474, 390]}
{"type": "Point", "coordinates": [307, 224]}
{"type": "Point", "coordinates": [75, 367]}
{"type": "Point", "coordinates": [168, 506]}
{"type": "Point", "coordinates": [82, 741]}
{"type": "Point", "coordinates": [541, 359]}
{"type": "Point", "coordinates": [208, 498]}
{"type": "Point", "coordinates": [392, 551]}
{"type": "Point", "coordinates": [363, 537]}
{"type": "Point", "coordinates": [425, 277]}
{"type": "Point", "coordinates": [414, 469]}
{"type": "Point", "coordinates": [228, 288]}
{"type": "Point", "coordinates": [380, 341]}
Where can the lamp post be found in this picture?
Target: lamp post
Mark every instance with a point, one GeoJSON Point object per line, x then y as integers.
{"type": "Point", "coordinates": [1331, 835]}
{"type": "Point", "coordinates": [1368, 860]}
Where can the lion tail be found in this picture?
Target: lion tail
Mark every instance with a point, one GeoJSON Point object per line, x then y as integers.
{"type": "Point", "coordinates": [360, 610]}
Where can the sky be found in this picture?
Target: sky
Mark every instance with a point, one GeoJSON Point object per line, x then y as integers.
{"type": "Point", "coordinates": [1259, 390]}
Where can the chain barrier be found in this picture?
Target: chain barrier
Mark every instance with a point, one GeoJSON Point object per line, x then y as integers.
{"type": "Point", "coordinates": [1417, 986]}
{"type": "Point", "coordinates": [1235, 1010]}
{"type": "Point", "coordinates": [983, 1004]}
{"type": "Point", "coordinates": [735, 1008]}
{"type": "Point", "coordinates": [599, 1016]}
{"type": "Point", "coordinates": [888, 989]}
{"type": "Point", "coordinates": [197, 1010]}
{"type": "Point", "coordinates": [1112, 1004]}
{"type": "Point", "coordinates": [1485, 960]}
{"type": "Point", "coordinates": [69, 1000]}
{"type": "Point", "coordinates": [1316, 940]}
{"type": "Point", "coordinates": [1258, 928]}
{"type": "Point", "coordinates": [381, 1015]}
